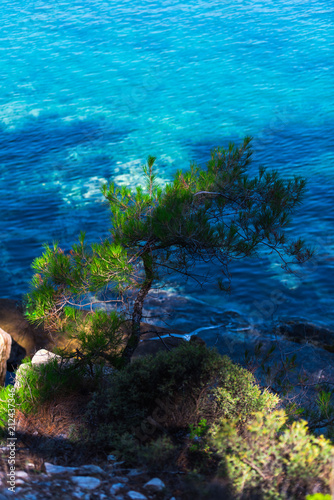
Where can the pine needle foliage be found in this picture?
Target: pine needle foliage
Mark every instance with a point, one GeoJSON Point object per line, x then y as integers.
{"type": "Point", "coordinates": [214, 215]}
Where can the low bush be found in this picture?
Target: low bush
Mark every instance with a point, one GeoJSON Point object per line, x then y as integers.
{"type": "Point", "coordinates": [163, 395]}
{"type": "Point", "coordinates": [273, 459]}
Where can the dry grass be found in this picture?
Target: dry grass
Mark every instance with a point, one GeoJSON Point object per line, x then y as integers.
{"type": "Point", "coordinates": [44, 435]}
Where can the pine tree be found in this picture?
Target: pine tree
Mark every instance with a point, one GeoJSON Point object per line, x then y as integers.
{"type": "Point", "coordinates": [215, 214]}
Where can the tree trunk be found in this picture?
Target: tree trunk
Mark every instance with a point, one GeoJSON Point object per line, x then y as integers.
{"type": "Point", "coordinates": [138, 308]}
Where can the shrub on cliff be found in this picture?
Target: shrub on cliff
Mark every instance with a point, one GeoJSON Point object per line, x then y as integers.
{"type": "Point", "coordinates": [161, 395]}
{"type": "Point", "coordinates": [216, 214]}
{"type": "Point", "coordinates": [272, 459]}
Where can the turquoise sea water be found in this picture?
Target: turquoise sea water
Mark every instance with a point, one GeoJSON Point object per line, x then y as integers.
{"type": "Point", "coordinates": [89, 88]}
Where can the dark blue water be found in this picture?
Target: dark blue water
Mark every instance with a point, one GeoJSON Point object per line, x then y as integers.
{"type": "Point", "coordinates": [88, 89]}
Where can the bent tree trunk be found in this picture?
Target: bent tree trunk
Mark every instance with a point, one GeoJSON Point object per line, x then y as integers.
{"type": "Point", "coordinates": [138, 308]}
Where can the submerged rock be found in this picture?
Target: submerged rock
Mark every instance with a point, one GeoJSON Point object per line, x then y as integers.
{"type": "Point", "coordinates": [302, 332]}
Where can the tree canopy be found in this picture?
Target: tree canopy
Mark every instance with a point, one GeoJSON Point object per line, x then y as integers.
{"type": "Point", "coordinates": [215, 214]}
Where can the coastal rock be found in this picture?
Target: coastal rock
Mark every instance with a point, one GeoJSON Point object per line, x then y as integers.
{"type": "Point", "coordinates": [301, 332]}
{"type": "Point", "coordinates": [195, 339]}
{"type": "Point", "coordinates": [151, 343]}
{"type": "Point", "coordinates": [27, 339]}
{"type": "Point", "coordinates": [5, 347]}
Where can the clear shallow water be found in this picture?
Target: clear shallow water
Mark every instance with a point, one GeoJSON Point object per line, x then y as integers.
{"type": "Point", "coordinates": [89, 88]}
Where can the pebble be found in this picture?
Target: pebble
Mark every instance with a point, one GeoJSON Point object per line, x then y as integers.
{"type": "Point", "coordinates": [21, 474]}
{"type": "Point", "coordinates": [155, 484]}
{"type": "Point", "coordinates": [86, 482]}
{"type": "Point", "coordinates": [135, 472]}
{"type": "Point", "coordinates": [116, 487]}
{"type": "Point", "coordinates": [121, 479]}
{"type": "Point", "coordinates": [134, 495]}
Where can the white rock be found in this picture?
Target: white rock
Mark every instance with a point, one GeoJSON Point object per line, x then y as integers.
{"type": "Point", "coordinates": [86, 482]}
{"type": "Point", "coordinates": [58, 469]}
{"type": "Point", "coordinates": [43, 356]}
{"type": "Point", "coordinates": [111, 458]}
{"type": "Point", "coordinates": [155, 484]}
{"type": "Point", "coordinates": [22, 474]}
{"type": "Point", "coordinates": [116, 487]}
{"type": "Point", "coordinates": [134, 495]}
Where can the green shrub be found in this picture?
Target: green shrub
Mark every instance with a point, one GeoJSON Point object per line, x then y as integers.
{"type": "Point", "coordinates": [98, 337]}
{"type": "Point", "coordinates": [171, 391]}
{"type": "Point", "coordinates": [278, 460]}
{"type": "Point", "coordinates": [7, 402]}
{"type": "Point", "coordinates": [41, 383]}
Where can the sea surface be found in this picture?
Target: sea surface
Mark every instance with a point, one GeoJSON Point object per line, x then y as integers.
{"type": "Point", "coordinates": [90, 88]}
